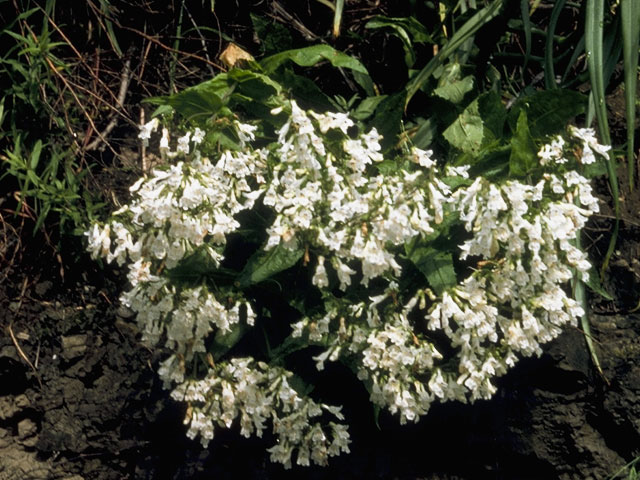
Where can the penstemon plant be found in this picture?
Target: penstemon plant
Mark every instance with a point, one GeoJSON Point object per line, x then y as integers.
{"type": "Point", "coordinates": [427, 283]}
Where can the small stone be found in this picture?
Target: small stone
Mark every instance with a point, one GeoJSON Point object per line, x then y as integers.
{"type": "Point", "coordinates": [26, 428]}
{"type": "Point", "coordinates": [125, 312]}
{"type": "Point", "coordinates": [74, 346]}
{"type": "Point", "coordinates": [9, 351]}
{"type": "Point", "coordinates": [43, 287]}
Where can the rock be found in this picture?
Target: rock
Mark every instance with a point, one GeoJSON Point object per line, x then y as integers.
{"type": "Point", "coordinates": [9, 406]}
{"type": "Point", "coordinates": [27, 430]}
{"type": "Point", "coordinates": [9, 351]}
{"type": "Point", "coordinates": [43, 287]}
{"type": "Point", "coordinates": [74, 346]}
{"type": "Point", "coordinates": [5, 438]}
{"type": "Point", "coordinates": [125, 312]}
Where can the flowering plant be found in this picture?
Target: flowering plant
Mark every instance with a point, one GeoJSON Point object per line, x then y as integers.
{"type": "Point", "coordinates": [427, 282]}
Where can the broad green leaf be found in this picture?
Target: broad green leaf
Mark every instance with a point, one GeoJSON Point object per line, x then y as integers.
{"type": "Point", "coordinates": [425, 134]}
{"type": "Point", "coordinates": [197, 265]}
{"type": "Point", "coordinates": [491, 163]}
{"type": "Point", "coordinates": [548, 111]}
{"type": "Point", "coordinates": [264, 264]}
{"type": "Point", "coordinates": [467, 131]}
{"type": "Point", "coordinates": [493, 112]}
{"type": "Point", "coordinates": [310, 56]}
{"type": "Point", "coordinates": [304, 90]}
{"type": "Point", "coordinates": [254, 84]}
{"type": "Point", "coordinates": [367, 107]}
{"type": "Point", "coordinates": [478, 125]}
{"type": "Point", "coordinates": [388, 117]}
{"type": "Point", "coordinates": [225, 341]}
{"type": "Point", "coordinates": [523, 157]}
{"type": "Point", "coordinates": [455, 90]}
{"type": "Point", "coordinates": [199, 102]}
{"type": "Point", "coordinates": [196, 103]}
{"type": "Point", "coordinates": [435, 265]}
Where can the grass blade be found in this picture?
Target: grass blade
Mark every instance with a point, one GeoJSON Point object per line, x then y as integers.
{"type": "Point", "coordinates": [580, 294]}
{"type": "Point", "coordinates": [549, 73]}
{"type": "Point", "coordinates": [481, 18]}
{"type": "Point", "coordinates": [630, 14]}
{"type": "Point", "coordinates": [595, 63]}
{"type": "Point", "coordinates": [337, 18]}
{"type": "Point", "coordinates": [526, 23]}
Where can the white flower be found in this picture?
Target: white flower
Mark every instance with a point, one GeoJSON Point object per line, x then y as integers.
{"type": "Point", "coordinates": [198, 136]}
{"type": "Point", "coordinates": [164, 141]}
{"type": "Point", "coordinates": [183, 143]}
{"type": "Point", "coordinates": [320, 278]}
{"type": "Point", "coordinates": [590, 144]}
{"type": "Point", "coordinates": [344, 273]}
{"type": "Point", "coordinates": [147, 129]}
{"type": "Point", "coordinates": [422, 157]}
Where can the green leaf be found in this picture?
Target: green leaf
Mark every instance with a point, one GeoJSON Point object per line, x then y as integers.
{"type": "Point", "coordinates": [455, 90]}
{"type": "Point", "coordinates": [523, 157]}
{"type": "Point", "coordinates": [493, 113]}
{"type": "Point", "coordinates": [595, 284]}
{"type": "Point", "coordinates": [478, 125]}
{"type": "Point", "coordinates": [367, 107]}
{"type": "Point", "coordinates": [435, 265]}
{"type": "Point", "coordinates": [464, 33]}
{"type": "Point", "coordinates": [199, 264]}
{"type": "Point", "coordinates": [305, 90]}
{"type": "Point", "coordinates": [409, 25]}
{"type": "Point", "coordinates": [549, 73]}
{"type": "Point", "coordinates": [200, 102]}
{"type": "Point", "coordinates": [425, 134]}
{"type": "Point", "coordinates": [491, 163]}
{"type": "Point", "coordinates": [548, 111]}
{"type": "Point", "coordinates": [225, 341]}
{"type": "Point", "coordinates": [253, 84]}
{"type": "Point", "coordinates": [404, 29]}
{"type": "Point", "coordinates": [35, 155]}
{"type": "Point", "coordinates": [264, 264]}
{"type": "Point", "coordinates": [310, 56]}
{"type": "Point", "coordinates": [196, 103]}
{"type": "Point", "coordinates": [388, 117]}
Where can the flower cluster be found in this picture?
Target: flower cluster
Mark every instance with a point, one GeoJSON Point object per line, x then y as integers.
{"type": "Point", "coordinates": [328, 198]}
{"type": "Point", "coordinates": [256, 392]}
